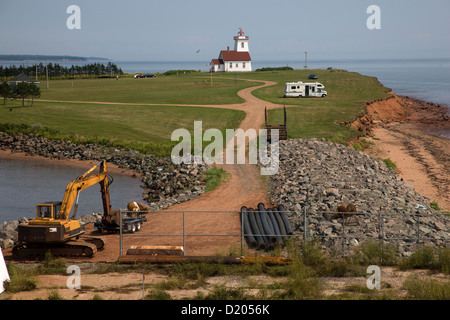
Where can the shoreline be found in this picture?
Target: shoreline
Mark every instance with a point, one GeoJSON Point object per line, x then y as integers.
{"type": "Point", "coordinates": [408, 131]}
{"type": "Point", "coordinates": [74, 163]}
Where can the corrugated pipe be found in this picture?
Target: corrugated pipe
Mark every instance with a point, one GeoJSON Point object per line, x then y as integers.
{"type": "Point", "coordinates": [265, 228]}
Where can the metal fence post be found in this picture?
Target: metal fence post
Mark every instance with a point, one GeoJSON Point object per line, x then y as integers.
{"type": "Point", "coordinates": [242, 232]}
{"type": "Point", "coordinates": [343, 232]}
{"type": "Point", "coordinates": [120, 230]}
{"type": "Point", "coordinates": [184, 237]}
{"type": "Point", "coordinates": [381, 236]}
{"type": "Point", "coordinates": [305, 227]}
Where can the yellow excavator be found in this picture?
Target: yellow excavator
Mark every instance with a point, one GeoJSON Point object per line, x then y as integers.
{"type": "Point", "coordinates": [54, 231]}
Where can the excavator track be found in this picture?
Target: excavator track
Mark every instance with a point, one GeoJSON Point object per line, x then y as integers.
{"type": "Point", "coordinates": [98, 242]}
{"type": "Point", "coordinates": [70, 249]}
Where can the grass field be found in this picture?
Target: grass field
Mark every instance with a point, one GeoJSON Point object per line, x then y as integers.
{"type": "Point", "coordinates": [149, 128]}
{"type": "Point", "coordinates": [320, 117]}
{"type": "Point", "coordinates": [193, 88]}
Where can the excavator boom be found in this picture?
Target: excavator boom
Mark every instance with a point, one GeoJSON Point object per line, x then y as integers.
{"type": "Point", "coordinates": [83, 182]}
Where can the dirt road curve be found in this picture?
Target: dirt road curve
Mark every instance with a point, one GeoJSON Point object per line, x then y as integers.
{"type": "Point", "coordinates": [244, 188]}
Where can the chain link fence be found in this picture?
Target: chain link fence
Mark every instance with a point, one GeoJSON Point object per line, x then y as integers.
{"type": "Point", "coordinates": [340, 230]}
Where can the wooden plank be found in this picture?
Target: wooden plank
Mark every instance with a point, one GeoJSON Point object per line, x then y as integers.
{"type": "Point", "coordinates": [156, 250]}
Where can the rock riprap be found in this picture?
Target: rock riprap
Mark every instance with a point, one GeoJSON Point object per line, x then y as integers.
{"type": "Point", "coordinates": [316, 176]}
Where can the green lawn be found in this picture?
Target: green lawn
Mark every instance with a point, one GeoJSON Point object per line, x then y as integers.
{"type": "Point", "coordinates": [145, 128]}
{"type": "Point", "coordinates": [194, 88]}
{"type": "Point", "coordinates": [149, 128]}
{"type": "Point", "coordinates": [320, 117]}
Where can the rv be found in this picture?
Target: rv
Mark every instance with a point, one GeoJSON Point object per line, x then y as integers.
{"type": "Point", "coordinates": [300, 90]}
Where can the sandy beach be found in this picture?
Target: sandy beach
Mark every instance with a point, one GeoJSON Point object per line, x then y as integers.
{"type": "Point", "coordinates": [408, 132]}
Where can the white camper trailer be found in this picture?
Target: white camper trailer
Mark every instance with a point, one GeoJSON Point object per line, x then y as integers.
{"type": "Point", "coordinates": [300, 90]}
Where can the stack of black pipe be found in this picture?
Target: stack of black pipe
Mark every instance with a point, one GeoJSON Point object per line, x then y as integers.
{"type": "Point", "coordinates": [264, 229]}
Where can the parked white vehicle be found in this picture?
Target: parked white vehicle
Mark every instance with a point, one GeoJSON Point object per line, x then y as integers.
{"type": "Point", "coordinates": [301, 89]}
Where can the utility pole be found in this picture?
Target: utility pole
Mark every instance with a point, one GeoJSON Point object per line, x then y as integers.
{"type": "Point", "coordinates": [306, 57]}
{"type": "Point", "coordinates": [46, 72]}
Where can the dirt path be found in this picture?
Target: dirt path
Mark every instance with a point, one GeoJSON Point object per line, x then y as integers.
{"type": "Point", "coordinates": [219, 207]}
{"type": "Point", "coordinates": [244, 188]}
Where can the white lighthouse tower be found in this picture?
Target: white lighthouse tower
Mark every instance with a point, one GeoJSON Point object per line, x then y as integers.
{"type": "Point", "coordinates": [241, 42]}
{"type": "Point", "coordinates": [237, 60]}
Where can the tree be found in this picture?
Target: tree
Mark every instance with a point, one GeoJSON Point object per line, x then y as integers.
{"type": "Point", "coordinates": [34, 91]}
{"type": "Point", "coordinates": [5, 91]}
{"type": "Point", "coordinates": [24, 90]}
{"type": "Point", "coordinates": [20, 90]}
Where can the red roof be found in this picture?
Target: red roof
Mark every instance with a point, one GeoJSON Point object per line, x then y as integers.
{"type": "Point", "coordinates": [217, 61]}
{"type": "Point", "coordinates": [234, 55]}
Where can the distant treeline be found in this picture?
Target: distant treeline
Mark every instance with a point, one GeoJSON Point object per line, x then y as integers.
{"type": "Point", "coordinates": [275, 69]}
{"type": "Point", "coordinates": [24, 57]}
{"type": "Point", "coordinates": [55, 70]}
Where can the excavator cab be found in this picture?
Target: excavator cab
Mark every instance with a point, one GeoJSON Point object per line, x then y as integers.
{"type": "Point", "coordinates": [48, 210]}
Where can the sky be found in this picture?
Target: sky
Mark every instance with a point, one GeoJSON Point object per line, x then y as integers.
{"type": "Point", "coordinates": [175, 30]}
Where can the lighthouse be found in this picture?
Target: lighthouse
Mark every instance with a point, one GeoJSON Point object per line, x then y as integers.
{"type": "Point", "coordinates": [241, 42]}
{"type": "Point", "coordinates": [237, 60]}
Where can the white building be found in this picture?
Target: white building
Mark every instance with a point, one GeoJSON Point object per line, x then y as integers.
{"type": "Point", "coordinates": [237, 60]}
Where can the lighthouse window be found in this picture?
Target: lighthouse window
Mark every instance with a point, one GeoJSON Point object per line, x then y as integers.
{"type": "Point", "coordinates": [242, 45]}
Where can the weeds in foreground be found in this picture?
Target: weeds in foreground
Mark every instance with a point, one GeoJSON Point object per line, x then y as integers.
{"type": "Point", "coordinates": [427, 289]}
{"type": "Point", "coordinates": [375, 252]}
{"type": "Point", "coordinates": [426, 257]}
{"type": "Point", "coordinates": [303, 279]}
{"type": "Point", "coordinates": [52, 265]}
{"type": "Point", "coordinates": [20, 280]}
{"type": "Point", "coordinates": [157, 294]}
